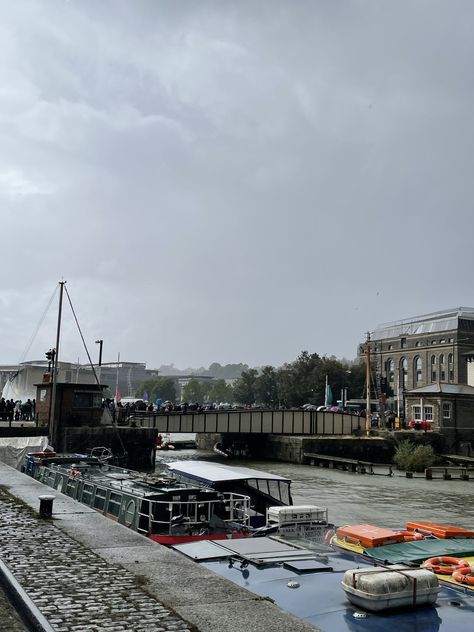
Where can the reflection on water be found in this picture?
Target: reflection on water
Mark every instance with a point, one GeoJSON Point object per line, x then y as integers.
{"type": "Point", "coordinates": [357, 498]}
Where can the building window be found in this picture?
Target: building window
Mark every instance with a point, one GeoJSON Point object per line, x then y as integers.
{"type": "Point", "coordinates": [403, 343]}
{"type": "Point", "coordinates": [390, 370]}
{"type": "Point", "coordinates": [417, 413]}
{"type": "Point", "coordinates": [446, 411]}
{"type": "Point", "coordinates": [433, 376]}
{"type": "Point", "coordinates": [442, 375]}
{"type": "Point", "coordinates": [433, 359]}
{"type": "Point", "coordinates": [451, 367]}
{"type": "Point", "coordinates": [404, 372]}
{"type": "Point", "coordinates": [418, 369]}
{"type": "Point", "coordinates": [442, 341]}
{"type": "Point", "coordinates": [418, 343]}
{"type": "Point", "coordinates": [429, 413]}
{"type": "Point", "coordinates": [390, 347]}
{"type": "Point", "coordinates": [451, 340]}
{"type": "Point", "coordinates": [433, 342]}
{"type": "Point", "coordinates": [441, 359]}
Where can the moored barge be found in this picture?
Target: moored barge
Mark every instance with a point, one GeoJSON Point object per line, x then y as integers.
{"type": "Point", "coordinates": [159, 507]}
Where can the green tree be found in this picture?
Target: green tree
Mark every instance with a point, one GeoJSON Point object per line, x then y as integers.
{"type": "Point", "coordinates": [194, 391]}
{"type": "Point", "coordinates": [302, 381]}
{"type": "Point", "coordinates": [163, 388]}
{"type": "Point", "coordinates": [244, 387]}
{"type": "Point", "coordinates": [266, 387]}
{"type": "Point", "coordinates": [219, 391]}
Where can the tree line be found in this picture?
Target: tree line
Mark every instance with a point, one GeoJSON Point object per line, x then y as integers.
{"type": "Point", "coordinates": [302, 381]}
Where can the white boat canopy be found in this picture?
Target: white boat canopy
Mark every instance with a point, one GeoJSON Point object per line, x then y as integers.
{"type": "Point", "coordinates": [207, 471]}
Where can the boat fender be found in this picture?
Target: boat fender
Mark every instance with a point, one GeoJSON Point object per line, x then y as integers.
{"type": "Point", "coordinates": [444, 565]}
{"type": "Point", "coordinates": [464, 575]}
{"type": "Point", "coordinates": [329, 535]}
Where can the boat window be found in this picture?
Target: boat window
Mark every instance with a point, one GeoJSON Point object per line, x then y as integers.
{"type": "Point", "coordinates": [129, 514]}
{"type": "Point", "coordinates": [83, 399]}
{"type": "Point", "coordinates": [113, 507]}
{"type": "Point", "coordinates": [49, 478]}
{"type": "Point", "coordinates": [274, 489]}
{"type": "Point", "coordinates": [87, 493]}
{"type": "Point", "coordinates": [99, 498]}
{"type": "Point", "coordinates": [71, 486]}
{"type": "Point", "coordinates": [58, 483]}
{"type": "Point", "coordinates": [280, 490]}
{"type": "Point", "coordinates": [285, 492]}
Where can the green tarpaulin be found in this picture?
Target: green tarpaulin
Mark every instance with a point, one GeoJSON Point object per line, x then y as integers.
{"type": "Point", "coordinates": [417, 552]}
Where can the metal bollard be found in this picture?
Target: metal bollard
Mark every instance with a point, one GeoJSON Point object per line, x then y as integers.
{"type": "Point", "coordinates": [46, 505]}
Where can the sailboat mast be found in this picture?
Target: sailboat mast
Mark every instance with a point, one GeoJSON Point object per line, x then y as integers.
{"type": "Point", "coordinates": [53, 422]}
{"type": "Point", "coordinates": [367, 380]}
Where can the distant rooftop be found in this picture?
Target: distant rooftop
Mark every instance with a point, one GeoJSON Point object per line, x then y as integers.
{"type": "Point", "coordinates": [445, 320]}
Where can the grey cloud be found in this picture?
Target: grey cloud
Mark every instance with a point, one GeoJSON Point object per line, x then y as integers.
{"type": "Point", "coordinates": [233, 181]}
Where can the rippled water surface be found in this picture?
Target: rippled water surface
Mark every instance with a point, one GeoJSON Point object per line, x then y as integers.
{"type": "Point", "coordinates": [354, 498]}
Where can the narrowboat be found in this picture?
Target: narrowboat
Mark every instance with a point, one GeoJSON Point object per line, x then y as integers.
{"type": "Point", "coordinates": [264, 489]}
{"type": "Point", "coordinates": [160, 507]}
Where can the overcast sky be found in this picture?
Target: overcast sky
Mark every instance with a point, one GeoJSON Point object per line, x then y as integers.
{"type": "Point", "coordinates": [232, 181]}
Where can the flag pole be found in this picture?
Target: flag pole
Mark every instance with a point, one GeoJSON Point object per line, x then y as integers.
{"type": "Point", "coordinates": [116, 378]}
{"type": "Point", "coordinates": [367, 379]}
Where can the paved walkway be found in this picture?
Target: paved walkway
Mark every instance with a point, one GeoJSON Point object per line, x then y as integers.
{"type": "Point", "coordinates": [86, 573]}
{"type": "Point", "coordinates": [72, 586]}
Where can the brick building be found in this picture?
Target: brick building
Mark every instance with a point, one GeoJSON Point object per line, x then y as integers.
{"type": "Point", "coordinates": [427, 359]}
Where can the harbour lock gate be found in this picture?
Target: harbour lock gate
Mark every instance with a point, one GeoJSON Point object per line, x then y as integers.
{"type": "Point", "coordinates": [278, 422]}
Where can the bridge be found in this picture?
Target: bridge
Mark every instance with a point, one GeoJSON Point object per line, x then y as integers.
{"type": "Point", "coordinates": [252, 421]}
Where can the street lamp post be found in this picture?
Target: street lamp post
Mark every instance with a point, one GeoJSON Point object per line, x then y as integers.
{"type": "Point", "coordinates": [100, 343]}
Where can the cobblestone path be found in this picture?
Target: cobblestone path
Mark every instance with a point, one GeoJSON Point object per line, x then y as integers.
{"type": "Point", "coordinates": [75, 589]}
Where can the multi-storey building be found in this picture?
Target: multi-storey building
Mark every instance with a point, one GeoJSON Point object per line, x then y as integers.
{"type": "Point", "coordinates": [423, 350]}
{"type": "Point", "coordinates": [424, 357]}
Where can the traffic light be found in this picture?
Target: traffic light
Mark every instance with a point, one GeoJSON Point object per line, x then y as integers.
{"type": "Point", "coordinates": [50, 354]}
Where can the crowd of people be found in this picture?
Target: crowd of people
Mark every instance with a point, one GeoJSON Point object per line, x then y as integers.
{"type": "Point", "coordinates": [11, 410]}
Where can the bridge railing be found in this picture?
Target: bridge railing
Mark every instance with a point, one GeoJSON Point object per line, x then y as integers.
{"type": "Point", "coordinates": [283, 422]}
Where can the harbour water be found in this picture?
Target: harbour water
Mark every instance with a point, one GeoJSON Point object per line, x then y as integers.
{"type": "Point", "coordinates": [358, 498]}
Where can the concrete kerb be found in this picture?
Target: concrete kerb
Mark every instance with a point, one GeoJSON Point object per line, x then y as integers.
{"type": "Point", "coordinates": [203, 599]}
{"type": "Point", "coordinates": [22, 603]}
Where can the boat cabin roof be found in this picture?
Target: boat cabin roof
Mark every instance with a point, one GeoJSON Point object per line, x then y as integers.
{"type": "Point", "coordinates": [215, 472]}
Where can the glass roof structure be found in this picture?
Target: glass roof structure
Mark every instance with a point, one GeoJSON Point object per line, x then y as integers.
{"type": "Point", "coordinates": [447, 320]}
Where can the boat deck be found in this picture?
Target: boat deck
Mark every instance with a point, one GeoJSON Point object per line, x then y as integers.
{"type": "Point", "coordinates": [307, 583]}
